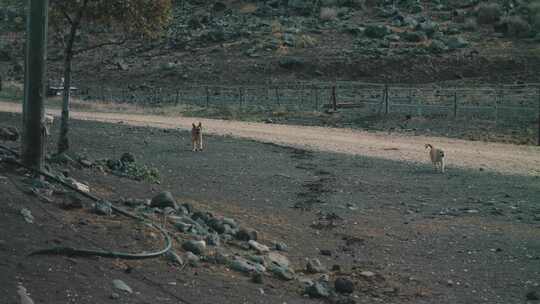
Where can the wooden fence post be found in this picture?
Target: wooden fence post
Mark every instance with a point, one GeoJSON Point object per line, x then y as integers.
{"type": "Point", "coordinates": [334, 100]}
{"type": "Point", "coordinates": [455, 103]}
{"type": "Point", "coordinates": [207, 96]}
{"type": "Point", "coordinates": [386, 105]}
{"type": "Point", "coordinates": [538, 116]}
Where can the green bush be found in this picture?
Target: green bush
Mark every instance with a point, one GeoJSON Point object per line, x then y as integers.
{"type": "Point", "coordinates": [488, 13]}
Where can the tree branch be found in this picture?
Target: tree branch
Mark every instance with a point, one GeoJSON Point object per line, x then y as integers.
{"type": "Point", "coordinates": [66, 15]}
{"type": "Point", "coordinates": [99, 45]}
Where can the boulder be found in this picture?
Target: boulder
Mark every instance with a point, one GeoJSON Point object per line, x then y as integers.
{"type": "Point", "coordinates": [164, 199]}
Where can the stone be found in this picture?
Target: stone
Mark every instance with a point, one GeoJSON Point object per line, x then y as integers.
{"type": "Point", "coordinates": [414, 36]}
{"type": "Point", "coordinates": [196, 247]}
{"type": "Point", "coordinates": [344, 285]}
{"type": "Point", "coordinates": [221, 258]}
{"type": "Point", "coordinates": [317, 290]}
{"type": "Point", "coordinates": [367, 274]}
{"type": "Point", "coordinates": [114, 296]}
{"type": "Point", "coordinates": [164, 199]}
{"type": "Point", "coordinates": [192, 259]}
{"type": "Point", "coordinates": [280, 246]}
{"type": "Point", "coordinates": [242, 265]}
{"type": "Point", "coordinates": [121, 285]}
{"type": "Point", "coordinates": [103, 208]}
{"type": "Point", "coordinates": [27, 215]}
{"type": "Point", "coordinates": [326, 252]}
{"type": "Point", "coordinates": [315, 266]}
{"type": "Point", "coordinates": [229, 221]}
{"type": "Point", "coordinates": [258, 246]}
{"type": "Point", "coordinates": [278, 259]}
{"type": "Point", "coordinates": [284, 273]}
{"type": "Point", "coordinates": [217, 225]}
{"type": "Point", "coordinates": [174, 258]}
{"type": "Point", "coordinates": [246, 234]}
{"type": "Point", "coordinates": [24, 296]}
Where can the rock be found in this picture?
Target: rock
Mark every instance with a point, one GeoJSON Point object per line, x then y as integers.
{"type": "Point", "coordinates": [315, 266]}
{"type": "Point", "coordinates": [367, 274]}
{"type": "Point", "coordinates": [27, 215]}
{"type": "Point", "coordinates": [246, 234]}
{"type": "Point", "coordinates": [258, 246]}
{"type": "Point", "coordinates": [280, 246]}
{"type": "Point", "coordinates": [317, 290]}
{"type": "Point", "coordinates": [103, 208]}
{"type": "Point", "coordinates": [196, 247]}
{"type": "Point", "coordinates": [278, 259]}
{"type": "Point", "coordinates": [344, 285]}
{"type": "Point", "coordinates": [114, 296]}
{"type": "Point", "coordinates": [336, 267]}
{"type": "Point", "coordinates": [242, 265]}
{"type": "Point", "coordinates": [326, 252]}
{"type": "Point", "coordinates": [532, 296]}
{"type": "Point", "coordinates": [217, 225]}
{"type": "Point", "coordinates": [377, 31]}
{"type": "Point", "coordinates": [24, 296]}
{"type": "Point", "coordinates": [192, 259]}
{"type": "Point", "coordinates": [284, 273]}
{"type": "Point", "coordinates": [231, 222]}
{"type": "Point", "coordinates": [174, 258]}
{"type": "Point", "coordinates": [437, 46]}
{"type": "Point", "coordinates": [121, 285]}
{"type": "Point", "coordinates": [164, 199]}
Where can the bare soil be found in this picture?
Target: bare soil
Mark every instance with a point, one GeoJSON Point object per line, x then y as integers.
{"type": "Point", "coordinates": [468, 236]}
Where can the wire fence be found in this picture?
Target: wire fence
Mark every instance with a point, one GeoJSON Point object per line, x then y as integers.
{"type": "Point", "coordinates": [503, 102]}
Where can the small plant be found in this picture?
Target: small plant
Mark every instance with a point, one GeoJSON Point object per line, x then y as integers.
{"type": "Point", "coordinates": [328, 14]}
{"type": "Point", "coordinates": [488, 13]}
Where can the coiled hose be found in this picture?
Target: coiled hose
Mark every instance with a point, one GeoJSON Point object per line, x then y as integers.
{"type": "Point", "coordinates": [68, 251]}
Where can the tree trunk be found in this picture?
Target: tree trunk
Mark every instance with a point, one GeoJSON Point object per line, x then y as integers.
{"type": "Point", "coordinates": [33, 136]}
{"type": "Point", "coordinates": [63, 141]}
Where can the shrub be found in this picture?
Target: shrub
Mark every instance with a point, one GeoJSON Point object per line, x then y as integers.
{"type": "Point", "coordinates": [517, 27]}
{"type": "Point", "coordinates": [470, 25]}
{"type": "Point", "coordinates": [488, 13]}
{"type": "Point", "coordinates": [328, 14]}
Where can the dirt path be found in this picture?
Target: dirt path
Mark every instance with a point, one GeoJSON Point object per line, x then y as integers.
{"type": "Point", "coordinates": [503, 158]}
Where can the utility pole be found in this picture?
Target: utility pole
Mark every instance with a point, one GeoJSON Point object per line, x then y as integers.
{"type": "Point", "coordinates": [33, 135]}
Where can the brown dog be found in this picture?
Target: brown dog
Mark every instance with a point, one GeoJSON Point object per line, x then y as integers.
{"type": "Point", "coordinates": [196, 137]}
{"type": "Point", "coordinates": [437, 157]}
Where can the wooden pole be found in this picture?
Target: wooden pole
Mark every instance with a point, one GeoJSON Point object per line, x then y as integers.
{"type": "Point", "coordinates": [538, 116]}
{"type": "Point", "coordinates": [386, 105]}
{"type": "Point", "coordinates": [334, 100]}
{"type": "Point", "coordinates": [455, 103]}
{"type": "Point", "coordinates": [33, 136]}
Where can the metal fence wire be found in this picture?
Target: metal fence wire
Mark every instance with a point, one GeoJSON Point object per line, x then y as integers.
{"type": "Point", "coordinates": [504, 102]}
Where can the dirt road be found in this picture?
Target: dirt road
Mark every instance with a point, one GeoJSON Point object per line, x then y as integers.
{"type": "Point", "coordinates": [502, 158]}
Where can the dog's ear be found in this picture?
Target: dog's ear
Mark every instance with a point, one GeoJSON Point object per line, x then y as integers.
{"type": "Point", "coordinates": [194, 126]}
{"type": "Point", "coordinates": [200, 124]}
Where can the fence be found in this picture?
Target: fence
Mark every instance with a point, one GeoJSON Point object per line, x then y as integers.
{"type": "Point", "coordinates": [504, 102]}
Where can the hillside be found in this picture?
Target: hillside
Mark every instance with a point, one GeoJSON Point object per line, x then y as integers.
{"type": "Point", "coordinates": [231, 42]}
